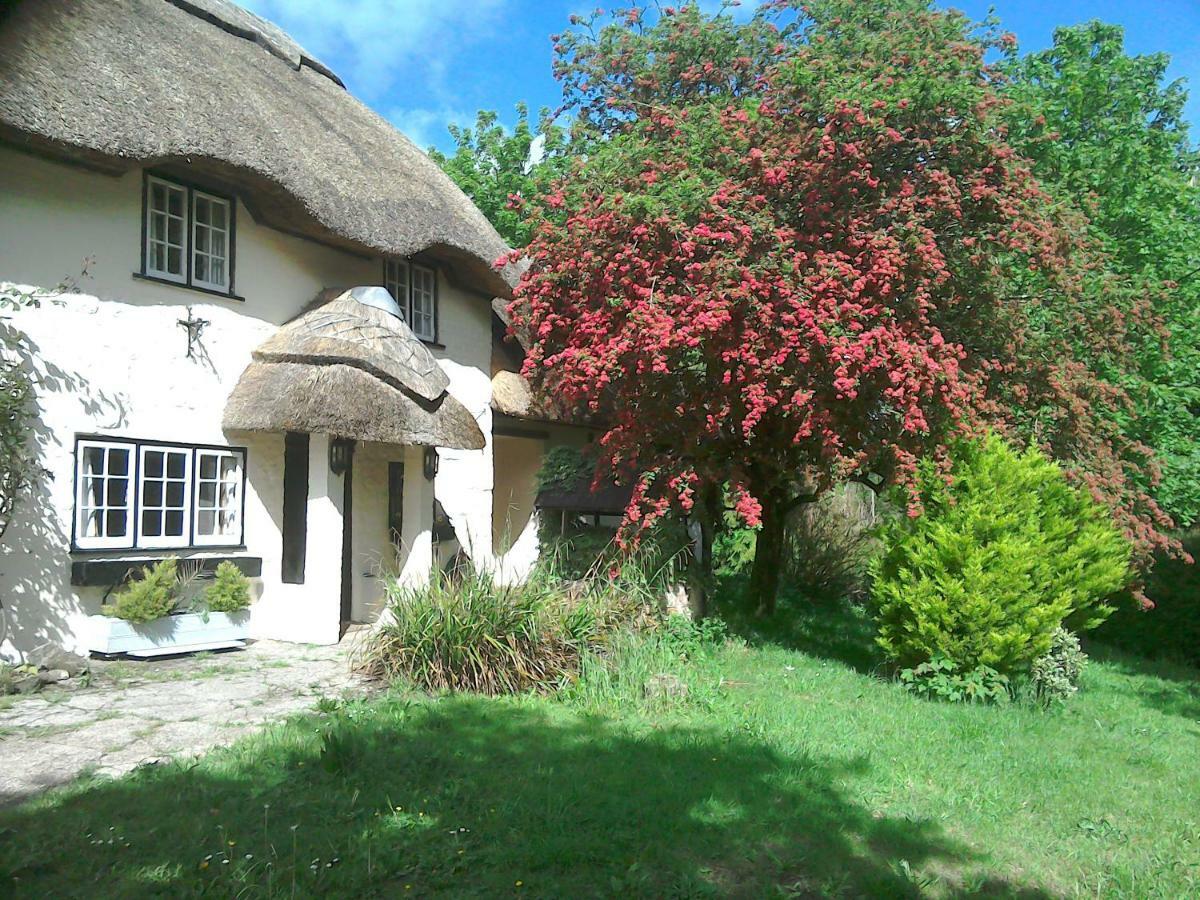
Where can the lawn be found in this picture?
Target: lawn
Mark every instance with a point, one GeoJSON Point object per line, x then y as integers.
{"type": "Point", "coordinates": [789, 770]}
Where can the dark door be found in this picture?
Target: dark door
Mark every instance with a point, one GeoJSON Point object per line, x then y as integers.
{"type": "Point", "coordinates": [348, 537]}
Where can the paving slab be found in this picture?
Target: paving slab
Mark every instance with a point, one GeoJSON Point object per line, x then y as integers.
{"type": "Point", "coordinates": [133, 712]}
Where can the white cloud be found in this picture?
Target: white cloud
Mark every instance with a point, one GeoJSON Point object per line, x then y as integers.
{"type": "Point", "coordinates": [426, 127]}
{"type": "Point", "coordinates": [370, 43]}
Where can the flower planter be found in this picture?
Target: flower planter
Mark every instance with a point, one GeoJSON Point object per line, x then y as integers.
{"type": "Point", "coordinates": [184, 633]}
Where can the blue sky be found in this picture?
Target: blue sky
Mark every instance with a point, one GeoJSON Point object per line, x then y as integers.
{"type": "Point", "coordinates": [425, 63]}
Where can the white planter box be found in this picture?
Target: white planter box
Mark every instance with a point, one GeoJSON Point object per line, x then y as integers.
{"type": "Point", "coordinates": [183, 633]}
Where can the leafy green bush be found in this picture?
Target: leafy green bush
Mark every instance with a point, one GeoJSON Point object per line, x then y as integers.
{"type": "Point", "coordinates": [1054, 677]}
{"type": "Point", "coordinates": [563, 469]}
{"type": "Point", "coordinates": [149, 597]}
{"type": "Point", "coordinates": [997, 561]}
{"type": "Point", "coordinates": [941, 679]}
{"type": "Point", "coordinates": [470, 634]}
{"type": "Point", "coordinates": [230, 591]}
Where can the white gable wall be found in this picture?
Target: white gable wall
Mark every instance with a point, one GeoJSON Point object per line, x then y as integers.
{"type": "Point", "coordinates": [111, 360]}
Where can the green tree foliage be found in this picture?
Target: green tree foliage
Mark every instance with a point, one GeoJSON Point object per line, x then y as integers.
{"type": "Point", "coordinates": [498, 168]}
{"type": "Point", "coordinates": [1106, 129]}
{"type": "Point", "coordinates": [1002, 556]}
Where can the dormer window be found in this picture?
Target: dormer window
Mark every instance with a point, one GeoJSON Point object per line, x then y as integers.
{"type": "Point", "coordinates": [188, 236]}
{"type": "Point", "coordinates": [414, 288]}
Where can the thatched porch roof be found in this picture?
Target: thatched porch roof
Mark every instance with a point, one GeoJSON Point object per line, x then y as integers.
{"type": "Point", "coordinates": [208, 89]}
{"type": "Point", "coordinates": [350, 370]}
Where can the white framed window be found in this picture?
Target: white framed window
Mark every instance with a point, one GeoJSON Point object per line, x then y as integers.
{"type": "Point", "coordinates": [396, 279]}
{"type": "Point", "coordinates": [218, 515]}
{"type": "Point", "coordinates": [103, 494]}
{"type": "Point", "coordinates": [166, 230]}
{"type": "Point", "coordinates": [414, 288]}
{"type": "Point", "coordinates": [134, 494]}
{"type": "Point", "coordinates": [189, 236]}
{"type": "Point", "coordinates": [210, 241]}
{"type": "Point", "coordinates": [423, 320]}
{"type": "Point", "coordinates": [163, 479]}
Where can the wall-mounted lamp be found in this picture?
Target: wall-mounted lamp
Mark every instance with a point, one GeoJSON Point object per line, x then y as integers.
{"type": "Point", "coordinates": [341, 450]}
{"type": "Point", "coordinates": [430, 463]}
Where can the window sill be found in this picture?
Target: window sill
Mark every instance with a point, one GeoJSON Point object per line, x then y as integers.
{"type": "Point", "coordinates": [432, 344]}
{"type": "Point", "coordinates": [110, 572]}
{"type": "Point", "coordinates": [228, 295]}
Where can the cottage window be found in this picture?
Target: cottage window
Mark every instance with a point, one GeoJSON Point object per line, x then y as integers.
{"type": "Point", "coordinates": [147, 495]}
{"type": "Point", "coordinates": [189, 236]}
{"type": "Point", "coordinates": [414, 288]}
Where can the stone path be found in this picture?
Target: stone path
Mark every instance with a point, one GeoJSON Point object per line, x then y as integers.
{"type": "Point", "coordinates": [133, 711]}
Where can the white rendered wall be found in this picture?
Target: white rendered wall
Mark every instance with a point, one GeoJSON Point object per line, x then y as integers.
{"type": "Point", "coordinates": [112, 360]}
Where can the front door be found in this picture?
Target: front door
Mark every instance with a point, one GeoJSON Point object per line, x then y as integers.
{"type": "Point", "coordinates": [348, 537]}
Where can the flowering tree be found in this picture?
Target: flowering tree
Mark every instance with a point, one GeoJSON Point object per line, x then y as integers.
{"type": "Point", "coordinates": [804, 274]}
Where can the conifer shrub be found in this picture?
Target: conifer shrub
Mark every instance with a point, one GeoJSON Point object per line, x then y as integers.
{"type": "Point", "coordinates": [151, 596]}
{"type": "Point", "coordinates": [230, 590]}
{"type": "Point", "coordinates": [1003, 553]}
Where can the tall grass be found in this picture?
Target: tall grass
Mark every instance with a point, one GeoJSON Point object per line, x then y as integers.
{"type": "Point", "coordinates": [471, 634]}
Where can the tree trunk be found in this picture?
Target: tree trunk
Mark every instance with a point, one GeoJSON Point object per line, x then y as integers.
{"type": "Point", "coordinates": [768, 557]}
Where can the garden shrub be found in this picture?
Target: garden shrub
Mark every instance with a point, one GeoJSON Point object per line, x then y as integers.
{"type": "Point", "coordinates": [229, 592]}
{"type": "Point", "coordinates": [1054, 677]}
{"type": "Point", "coordinates": [151, 596]}
{"type": "Point", "coordinates": [942, 679]}
{"type": "Point", "coordinates": [1000, 557]}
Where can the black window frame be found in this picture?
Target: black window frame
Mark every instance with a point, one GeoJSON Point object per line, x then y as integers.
{"type": "Point", "coordinates": [135, 505]}
{"type": "Point", "coordinates": [190, 187]}
{"type": "Point", "coordinates": [406, 304]}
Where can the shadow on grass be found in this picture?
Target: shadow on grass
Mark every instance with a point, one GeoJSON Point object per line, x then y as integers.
{"type": "Point", "coordinates": [831, 629]}
{"type": "Point", "coordinates": [1171, 687]}
{"type": "Point", "coordinates": [473, 797]}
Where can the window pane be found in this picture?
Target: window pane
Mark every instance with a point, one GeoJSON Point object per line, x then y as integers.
{"type": "Point", "coordinates": [208, 493]}
{"type": "Point", "coordinates": [230, 468]}
{"type": "Point", "coordinates": [175, 494]}
{"type": "Point", "coordinates": [158, 196]}
{"type": "Point", "coordinates": [117, 492]}
{"type": "Point", "coordinates": [202, 240]}
{"type": "Point", "coordinates": [115, 522]}
{"type": "Point", "coordinates": [200, 268]}
{"type": "Point", "coordinates": [174, 261]}
{"type": "Point", "coordinates": [118, 461]}
{"type": "Point", "coordinates": [93, 460]}
{"type": "Point", "coordinates": [152, 464]}
{"type": "Point", "coordinates": [176, 463]}
{"type": "Point", "coordinates": [175, 231]}
{"type": "Point", "coordinates": [217, 215]}
{"type": "Point", "coordinates": [175, 202]}
{"type": "Point", "coordinates": [174, 526]}
{"type": "Point", "coordinates": [208, 465]}
{"type": "Point", "coordinates": [152, 493]}
{"type": "Point", "coordinates": [216, 271]}
{"type": "Point", "coordinates": [151, 523]}
{"type": "Point", "coordinates": [206, 522]}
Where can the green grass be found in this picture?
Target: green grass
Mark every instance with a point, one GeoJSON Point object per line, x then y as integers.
{"type": "Point", "coordinates": [789, 770]}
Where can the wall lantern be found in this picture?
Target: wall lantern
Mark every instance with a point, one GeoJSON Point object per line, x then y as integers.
{"type": "Point", "coordinates": [431, 463]}
{"type": "Point", "coordinates": [341, 450]}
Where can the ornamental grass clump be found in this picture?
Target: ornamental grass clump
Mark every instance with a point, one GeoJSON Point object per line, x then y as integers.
{"type": "Point", "coordinates": [472, 634]}
{"type": "Point", "coordinates": [1000, 557]}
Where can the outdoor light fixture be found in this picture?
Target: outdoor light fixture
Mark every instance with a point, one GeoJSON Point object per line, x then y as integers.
{"type": "Point", "coordinates": [431, 463]}
{"type": "Point", "coordinates": [340, 452]}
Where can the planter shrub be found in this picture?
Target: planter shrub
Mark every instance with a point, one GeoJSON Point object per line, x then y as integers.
{"type": "Point", "coordinates": [230, 591]}
{"type": "Point", "coordinates": [149, 597]}
{"type": "Point", "coordinates": [1000, 557]}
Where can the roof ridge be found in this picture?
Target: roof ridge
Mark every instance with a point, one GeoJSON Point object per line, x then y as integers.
{"type": "Point", "coordinates": [258, 37]}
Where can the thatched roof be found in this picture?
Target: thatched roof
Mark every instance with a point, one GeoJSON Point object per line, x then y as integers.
{"type": "Point", "coordinates": [208, 88]}
{"type": "Point", "coordinates": [351, 370]}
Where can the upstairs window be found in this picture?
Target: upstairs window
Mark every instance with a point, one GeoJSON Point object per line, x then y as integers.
{"type": "Point", "coordinates": [133, 494]}
{"type": "Point", "coordinates": [189, 236]}
{"type": "Point", "coordinates": [414, 288]}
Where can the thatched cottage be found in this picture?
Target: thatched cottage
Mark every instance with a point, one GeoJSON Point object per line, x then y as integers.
{"type": "Point", "coordinates": [281, 352]}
